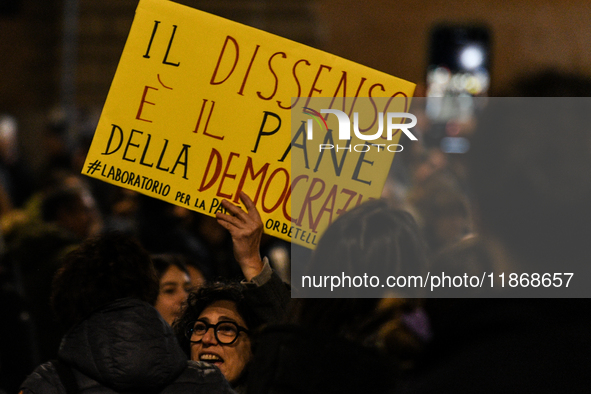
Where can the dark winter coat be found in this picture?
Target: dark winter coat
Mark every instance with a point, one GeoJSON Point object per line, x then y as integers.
{"type": "Point", "coordinates": [126, 347]}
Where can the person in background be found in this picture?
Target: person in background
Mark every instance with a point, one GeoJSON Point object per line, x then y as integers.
{"type": "Point", "coordinates": [529, 173]}
{"type": "Point", "coordinates": [18, 351]}
{"type": "Point", "coordinates": [442, 211]}
{"type": "Point", "coordinates": [69, 209]}
{"type": "Point", "coordinates": [116, 341]}
{"type": "Point", "coordinates": [349, 345]}
{"type": "Point", "coordinates": [15, 177]}
{"type": "Point", "coordinates": [175, 285]}
{"type": "Point", "coordinates": [35, 248]}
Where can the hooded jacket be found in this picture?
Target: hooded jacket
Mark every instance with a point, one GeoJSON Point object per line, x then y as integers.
{"type": "Point", "coordinates": [126, 347]}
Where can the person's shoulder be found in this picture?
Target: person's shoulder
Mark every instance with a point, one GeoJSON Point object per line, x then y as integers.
{"type": "Point", "coordinates": [44, 379]}
{"type": "Point", "coordinates": [200, 377]}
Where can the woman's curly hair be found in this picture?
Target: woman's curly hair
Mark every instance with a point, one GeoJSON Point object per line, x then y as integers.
{"type": "Point", "coordinates": [206, 295]}
{"type": "Point", "coordinates": [102, 270]}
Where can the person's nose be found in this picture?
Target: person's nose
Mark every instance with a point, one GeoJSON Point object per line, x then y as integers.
{"type": "Point", "coordinates": [209, 338]}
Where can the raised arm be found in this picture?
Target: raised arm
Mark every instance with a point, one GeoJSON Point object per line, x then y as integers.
{"type": "Point", "coordinates": [264, 290]}
{"type": "Point", "coordinates": [246, 229]}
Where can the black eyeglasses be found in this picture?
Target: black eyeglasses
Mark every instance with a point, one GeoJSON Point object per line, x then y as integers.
{"type": "Point", "coordinates": [226, 332]}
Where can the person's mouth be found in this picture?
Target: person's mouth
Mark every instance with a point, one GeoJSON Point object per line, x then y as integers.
{"type": "Point", "coordinates": [211, 358]}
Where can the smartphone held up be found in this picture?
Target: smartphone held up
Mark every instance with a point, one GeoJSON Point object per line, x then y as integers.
{"type": "Point", "coordinates": [458, 78]}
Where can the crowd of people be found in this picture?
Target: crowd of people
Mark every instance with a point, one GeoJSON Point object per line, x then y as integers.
{"type": "Point", "coordinates": [149, 297]}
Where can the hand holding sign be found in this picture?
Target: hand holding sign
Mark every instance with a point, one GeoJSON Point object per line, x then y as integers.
{"type": "Point", "coordinates": [246, 229]}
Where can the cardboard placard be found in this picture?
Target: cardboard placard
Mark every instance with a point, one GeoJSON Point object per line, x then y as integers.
{"type": "Point", "coordinates": [200, 109]}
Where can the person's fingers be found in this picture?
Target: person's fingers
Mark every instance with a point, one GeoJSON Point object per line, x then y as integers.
{"type": "Point", "coordinates": [246, 200]}
{"type": "Point", "coordinates": [229, 219]}
{"type": "Point", "coordinates": [234, 210]}
{"type": "Point", "coordinates": [225, 224]}
{"type": "Point", "coordinates": [249, 204]}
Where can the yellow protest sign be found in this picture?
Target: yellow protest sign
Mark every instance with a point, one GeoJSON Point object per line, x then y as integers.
{"type": "Point", "coordinates": [200, 109]}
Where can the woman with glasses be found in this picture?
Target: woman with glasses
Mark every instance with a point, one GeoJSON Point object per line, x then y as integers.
{"type": "Point", "coordinates": [218, 320]}
{"type": "Point", "coordinates": [216, 327]}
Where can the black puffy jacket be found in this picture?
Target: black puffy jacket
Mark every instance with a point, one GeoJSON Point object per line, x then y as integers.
{"type": "Point", "coordinates": [126, 347]}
